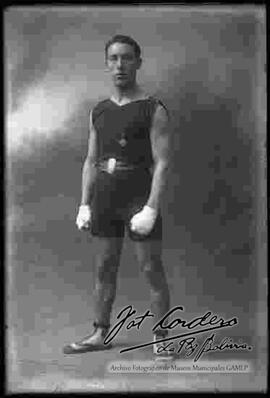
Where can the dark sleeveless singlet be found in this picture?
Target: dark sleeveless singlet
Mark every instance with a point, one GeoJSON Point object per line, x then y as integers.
{"type": "Point", "coordinates": [123, 132]}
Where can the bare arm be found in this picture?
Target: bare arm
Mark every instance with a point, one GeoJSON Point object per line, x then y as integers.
{"type": "Point", "coordinates": [89, 171]}
{"type": "Point", "coordinates": [159, 136]}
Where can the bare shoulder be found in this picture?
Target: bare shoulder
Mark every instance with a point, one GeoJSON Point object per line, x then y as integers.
{"type": "Point", "coordinates": [161, 115]}
{"type": "Point", "coordinates": [161, 111]}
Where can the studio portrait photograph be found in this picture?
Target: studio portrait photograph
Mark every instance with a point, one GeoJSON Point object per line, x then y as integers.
{"type": "Point", "coordinates": [136, 205]}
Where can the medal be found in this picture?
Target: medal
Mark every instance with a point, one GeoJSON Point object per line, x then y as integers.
{"type": "Point", "coordinates": [123, 142]}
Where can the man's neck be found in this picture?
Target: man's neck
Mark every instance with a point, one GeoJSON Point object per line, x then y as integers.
{"type": "Point", "coordinates": [128, 94]}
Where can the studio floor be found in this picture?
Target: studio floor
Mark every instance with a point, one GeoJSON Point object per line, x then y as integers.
{"type": "Point", "coordinates": [50, 304]}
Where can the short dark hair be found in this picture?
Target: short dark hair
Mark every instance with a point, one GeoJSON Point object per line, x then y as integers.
{"type": "Point", "coordinates": [125, 40]}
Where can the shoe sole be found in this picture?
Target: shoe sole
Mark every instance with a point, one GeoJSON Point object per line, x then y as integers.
{"type": "Point", "coordinates": [85, 348]}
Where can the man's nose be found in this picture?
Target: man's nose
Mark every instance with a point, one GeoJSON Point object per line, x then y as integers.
{"type": "Point", "coordinates": [119, 63]}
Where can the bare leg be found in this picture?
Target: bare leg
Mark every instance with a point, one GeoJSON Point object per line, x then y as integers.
{"type": "Point", "coordinates": [106, 268]}
{"type": "Point", "coordinates": [149, 255]}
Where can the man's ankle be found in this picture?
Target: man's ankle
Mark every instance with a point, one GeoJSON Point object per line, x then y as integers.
{"type": "Point", "coordinates": [161, 334]}
{"type": "Point", "coordinates": [101, 325]}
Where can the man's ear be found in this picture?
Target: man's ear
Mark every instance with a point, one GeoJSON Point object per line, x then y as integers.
{"type": "Point", "coordinates": [139, 63]}
{"type": "Point", "coordinates": [106, 65]}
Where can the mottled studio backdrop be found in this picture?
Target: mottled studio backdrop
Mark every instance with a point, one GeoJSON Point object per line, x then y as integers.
{"type": "Point", "coordinates": [207, 65]}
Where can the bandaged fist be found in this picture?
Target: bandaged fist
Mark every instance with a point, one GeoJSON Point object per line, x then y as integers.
{"type": "Point", "coordinates": [143, 222]}
{"type": "Point", "coordinates": [84, 217]}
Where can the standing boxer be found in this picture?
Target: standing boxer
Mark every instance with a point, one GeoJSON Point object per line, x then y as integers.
{"type": "Point", "coordinates": [123, 178]}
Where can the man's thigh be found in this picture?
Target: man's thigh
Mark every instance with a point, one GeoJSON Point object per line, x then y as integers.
{"type": "Point", "coordinates": [106, 247]}
{"type": "Point", "coordinates": [107, 258]}
{"type": "Point", "coordinates": [149, 254]}
{"type": "Point", "coordinates": [106, 222]}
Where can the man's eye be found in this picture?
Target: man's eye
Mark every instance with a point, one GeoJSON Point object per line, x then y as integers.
{"type": "Point", "coordinates": [127, 58]}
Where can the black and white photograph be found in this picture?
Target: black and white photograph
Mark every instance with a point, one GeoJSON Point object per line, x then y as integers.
{"type": "Point", "coordinates": [136, 201]}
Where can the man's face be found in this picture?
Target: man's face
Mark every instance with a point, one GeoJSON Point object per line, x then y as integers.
{"type": "Point", "coordinates": [122, 64]}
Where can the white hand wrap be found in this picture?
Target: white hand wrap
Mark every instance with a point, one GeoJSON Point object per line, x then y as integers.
{"type": "Point", "coordinates": [83, 217]}
{"type": "Point", "coordinates": [143, 222]}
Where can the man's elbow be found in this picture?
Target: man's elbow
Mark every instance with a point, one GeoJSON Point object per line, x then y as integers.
{"type": "Point", "coordinates": [88, 165]}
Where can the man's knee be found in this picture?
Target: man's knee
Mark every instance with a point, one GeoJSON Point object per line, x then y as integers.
{"type": "Point", "coordinates": [150, 265]}
{"type": "Point", "coordinates": [106, 267]}
{"type": "Point", "coordinates": [107, 247]}
{"type": "Point", "coordinates": [107, 258]}
{"type": "Point", "coordinates": [148, 254]}
{"type": "Point", "coordinates": [153, 269]}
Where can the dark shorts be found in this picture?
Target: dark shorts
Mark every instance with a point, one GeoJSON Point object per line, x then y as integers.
{"type": "Point", "coordinates": [117, 197]}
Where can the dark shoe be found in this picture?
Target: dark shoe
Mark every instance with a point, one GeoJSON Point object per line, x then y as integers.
{"type": "Point", "coordinates": [93, 342]}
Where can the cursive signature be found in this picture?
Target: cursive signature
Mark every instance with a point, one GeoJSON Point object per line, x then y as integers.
{"type": "Point", "coordinates": [189, 346]}
{"type": "Point", "coordinates": [196, 326]}
{"type": "Point", "coordinates": [136, 322]}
